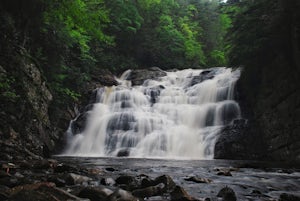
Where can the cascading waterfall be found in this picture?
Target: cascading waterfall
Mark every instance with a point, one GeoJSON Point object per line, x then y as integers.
{"type": "Point", "coordinates": [176, 116]}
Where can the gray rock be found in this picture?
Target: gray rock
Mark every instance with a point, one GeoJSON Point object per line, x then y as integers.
{"type": "Point", "coordinates": [168, 182]}
{"type": "Point", "coordinates": [236, 141]}
{"type": "Point", "coordinates": [139, 76]}
{"type": "Point", "coordinates": [198, 179]}
{"type": "Point", "coordinates": [108, 181]}
{"type": "Point", "coordinates": [148, 191]}
{"type": "Point", "coordinates": [179, 194]}
{"type": "Point", "coordinates": [227, 194]}
{"type": "Point", "coordinates": [122, 195]}
{"type": "Point", "coordinates": [72, 179]}
{"type": "Point", "coordinates": [95, 193]}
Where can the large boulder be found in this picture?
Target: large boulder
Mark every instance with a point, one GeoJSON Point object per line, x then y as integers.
{"type": "Point", "coordinates": [239, 140]}
{"type": "Point", "coordinates": [204, 75]}
{"type": "Point", "coordinates": [139, 76]}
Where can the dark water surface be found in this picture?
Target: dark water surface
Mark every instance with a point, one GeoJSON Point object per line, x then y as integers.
{"type": "Point", "coordinates": [250, 180]}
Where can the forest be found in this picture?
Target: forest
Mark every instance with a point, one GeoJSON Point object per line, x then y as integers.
{"type": "Point", "coordinates": [70, 39]}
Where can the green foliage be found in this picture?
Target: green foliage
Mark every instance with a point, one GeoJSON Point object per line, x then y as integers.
{"type": "Point", "coordinates": [248, 36]}
{"type": "Point", "coordinates": [193, 48]}
{"type": "Point", "coordinates": [125, 17]}
{"type": "Point", "coordinates": [7, 90]}
{"type": "Point", "coordinates": [64, 93]}
{"type": "Point", "coordinates": [69, 39]}
{"type": "Point", "coordinates": [76, 22]}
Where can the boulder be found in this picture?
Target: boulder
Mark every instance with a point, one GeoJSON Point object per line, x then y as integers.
{"type": "Point", "coordinates": [204, 75]}
{"type": "Point", "coordinates": [60, 168]}
{"type": "Point", "coordinates": [139, 76]}
{"type": "Point", "coordinates": [236, 141]}
{"type": "Point", "coordinates": [59, 182]}
{"type": "Point", "coordinates": [154, 92]}
{"type": "Point", "coordinates": [72, 179]}
{"type": "Point", "coordinates": [224, 173]}
{"type": "Point", "coordinates": [78, 125]}
{"type": "Point", "coordinates": [122, 195]}
{"type": "Point", "coordinates": [95, 193]}
{"type": "Point", "coordinates": [101, 77]}
{"type": "Point", "coordinates": [198, 180]}
{"type": "Point", "coordinates": [179, 194]}
{"type": "Point", "coordinates": [227, 194]}
{"type": "Point", "coordinates": [127, 182]}
{"type": "Point", "coordinates": [148, 191]}
{"type": "Point", "coordinates": [45, 191]}
{"type": "Point", "coordinates": [108, 181]}
{"type": "Point", "coordinates": [168, 182]}
{"type": "Point", "coordinates": [123, 153]}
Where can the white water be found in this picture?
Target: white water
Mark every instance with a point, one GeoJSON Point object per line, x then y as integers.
{"type": "Point", "coordinates": [168, 117]}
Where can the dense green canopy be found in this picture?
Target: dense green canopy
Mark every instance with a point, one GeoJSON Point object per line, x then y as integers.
{"type": "Point", "coordinates": [69, 39]}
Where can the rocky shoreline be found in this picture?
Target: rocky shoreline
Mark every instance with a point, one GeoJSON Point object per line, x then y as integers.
{"type": "Point", "coordinates": [50, 179]}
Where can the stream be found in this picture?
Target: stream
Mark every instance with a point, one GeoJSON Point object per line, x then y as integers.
{"type": "Point", "coordinates": [251, 180]}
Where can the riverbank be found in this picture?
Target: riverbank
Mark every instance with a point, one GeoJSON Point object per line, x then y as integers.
{"type": "Point", "coordinates": [153, 179]}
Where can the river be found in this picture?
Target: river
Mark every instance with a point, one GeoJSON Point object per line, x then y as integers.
{"type": "Point", "coordinates": [251, 180]}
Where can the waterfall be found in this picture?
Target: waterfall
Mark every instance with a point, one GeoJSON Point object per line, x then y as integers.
{"type": "Point", "coordinates": [176, 116]}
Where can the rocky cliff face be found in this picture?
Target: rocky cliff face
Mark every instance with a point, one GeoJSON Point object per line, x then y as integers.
{"type": "Point", "coordinates": [275, 99]}
{"type": "Point", "coordinates": [31, 126]}
{"type": "Point", "coordinates": [269, 95]}
{"type": "Point", "coordinates": [25, 125]}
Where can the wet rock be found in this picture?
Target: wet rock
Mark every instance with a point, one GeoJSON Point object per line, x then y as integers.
{"type": "Point", "coordinates": [41, 164]}
{"type": "Point", "coordinates": [78, 125]}
{"type": "Point", "coordinates": [239, 140]}
{"type": "Point", "coordinates": [3, 196]}
{"type": "Point", "coordinates": [9, 182]}
{"type": "Point", "coordinates": [125, 179]}
{"type": "Point", "coordinates": [198, 180]}
{"type": "Point", "coordinates": [146, 182]}
{"type": "Point", "coordinates": [224, 173]}
{"type": "Point", "coordinates": [28, 195]}
{"type": "Point", "coordinates": [168, 182]}
{"type": "Point", "coordinates": [18, 175]}
{"type": "Point", "coordinates": [204, 75]}
{"type": "Point", "coordinates": [123, 153]}
{"type": "Point", "coordinates": [227, 194]}
{"type": "Point", "coordinates": [108, 181]}
{"type": "Point", "coordinates": [95, 193]}
{"type": "Point", "coordinates": [95, 171]}
{"type": "Point", "coordinates": [102, 77]}
{"type": "Point", "coordinates": [25, 164]}
{"type": "Point", "coordinates": [148, 191]}
{"type": "Point", "coordinates": [4, 174]}
{"type": "Point", "coordinates": [72, 179]}
{"type": "Point", "coordinates": [288, 197]}
{"type": "Point", "coordinates": [3, 192]}
{"type": "Point", "coordinates": [110, 169]}
{"type": "Point", "coordinates": [154, 92]}
{"type": "Point", "coordinates": [179, 194]}
{"type": "Point", "coordinates": [122, 195]}
{"type": "Point", "coordinates": [138, 76]}
{"type": "Point", "coordinates": [40, 191]}
{"type": "Point", "coordinates": [59, 182]}
{"type": "Point", "coordinates": [60, 168]}
{"type": "Point", "coordinates": [30, 187]}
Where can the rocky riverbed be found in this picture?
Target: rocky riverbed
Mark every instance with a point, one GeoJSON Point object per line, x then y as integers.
{"type": "Point", "coordinates": [125, 179]}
